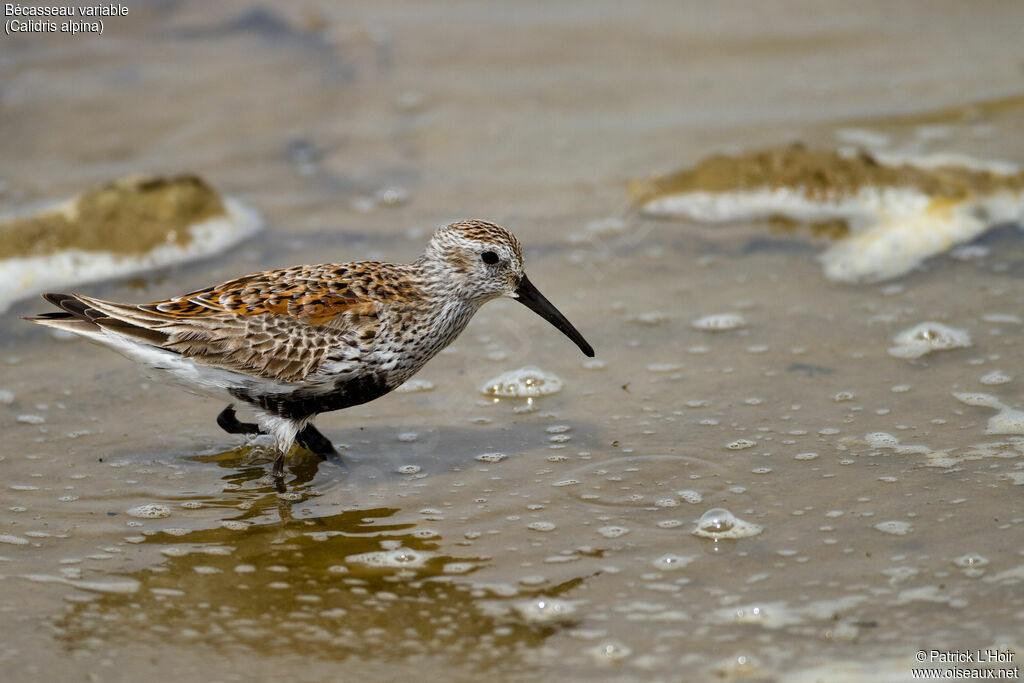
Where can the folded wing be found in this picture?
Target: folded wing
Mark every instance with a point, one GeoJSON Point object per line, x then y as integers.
{"type": "Point", "coordinates": [277, 325]}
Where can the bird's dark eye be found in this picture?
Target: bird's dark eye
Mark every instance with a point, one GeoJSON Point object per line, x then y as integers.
{"type": "Point", "coordinates": [489, 257]}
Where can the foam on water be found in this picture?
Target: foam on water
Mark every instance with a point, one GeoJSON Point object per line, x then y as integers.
{"type": "Point", "coordinates": [150, 511]}
{"type": "Point", "coordinates": [927, 337]}
{"type": "Point", "coordinates": [899, 209]}
{"type": "Point", "coordinates": [526, 382]}
{"type": "Point", "coordinates": [1007, 421]}
{"type": "Point", "coordinates": [995, 378]}
{"type": "Point", "coordinates": [11, 539]}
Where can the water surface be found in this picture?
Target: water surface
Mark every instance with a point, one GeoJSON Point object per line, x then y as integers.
{"type": "Point", "coordinates": [137, 535]}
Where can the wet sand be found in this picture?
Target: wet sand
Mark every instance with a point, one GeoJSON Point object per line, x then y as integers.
{"type": "Point", "coordinates": [137, 537]}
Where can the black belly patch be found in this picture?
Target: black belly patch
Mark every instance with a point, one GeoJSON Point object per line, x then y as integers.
{"type": "Point", "coordinates": [303, 403]}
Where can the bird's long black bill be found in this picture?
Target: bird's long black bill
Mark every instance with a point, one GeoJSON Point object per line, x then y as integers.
{"type": "Point", "coordinates": [529, 296]}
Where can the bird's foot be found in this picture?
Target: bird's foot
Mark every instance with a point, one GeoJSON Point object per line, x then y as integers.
{"type": "Point", "coordinates": [229, 422]}
{"type": "Point", "coordinates": [313, 440]}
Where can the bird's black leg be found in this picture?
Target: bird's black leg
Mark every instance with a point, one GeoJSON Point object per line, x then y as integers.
{"type": "Point", "coordinates": [312, 439]}
{"type": "Point", "coordinates": [231, 424]}
{"type": "Point", "coordinates": [279, 465]}
{"type": "Point", "coordinates": [278, 472]}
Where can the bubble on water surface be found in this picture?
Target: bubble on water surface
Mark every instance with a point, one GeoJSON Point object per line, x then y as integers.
{"type": "Point", "coordinates": [526, 382]}
{"type": "Point", "coordinates": [690, 496]}
{"type": "Point", "coordinates": [612, 531]}
{"type": "Point", "coordinates": [649, 318]}
{"type": "Point", "coordinates": [926, 338]}
{"type": "Point", "coordinates": [664, 367]}
{"type": "Point", "coordinates": [491, 457]}
{"type": "Point", "coordinates": [671, 562]}
{"type": "Point", "coordinates": [545, 610]}
{"type": "Point", "coordinates": [882, 440]}
{"type": "Point", "coordinates": [719, 322]}
{"type": "Point", "coordinates": [150, 511]}
{"type": "Point", "coordinates": [610, 651]}
{"type": "Point", "coordinates": [408, 469]}
{"type": "Point", "coordinates": [895, 527]}
{"type": "Point", "coordinates": [971, 561]}
{"type": "Point", "coordinates": [31, 419]}
{"type": "Point", "coordinates": [719, 523]}
{"type": "Point", "coordinates": [995, 378]}
{"type": "Point", "coordinates": [771, 615]}
{"type": "Point", "coordinates": [394, 558]}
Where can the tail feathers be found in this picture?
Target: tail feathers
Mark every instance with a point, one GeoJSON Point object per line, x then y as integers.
{"type": "Point", "coordinates": [129, 313]}
{"type": "Point", "coordinates": [83, 316]}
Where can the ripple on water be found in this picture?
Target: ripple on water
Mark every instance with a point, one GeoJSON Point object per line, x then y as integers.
{"type": "Point", "coordinates": [644, 481]}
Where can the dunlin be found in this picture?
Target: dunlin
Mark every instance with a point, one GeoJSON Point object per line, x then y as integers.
{"type": "Point", "coordinates": [305, 340]}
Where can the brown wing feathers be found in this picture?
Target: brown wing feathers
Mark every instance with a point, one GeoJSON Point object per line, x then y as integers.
{"type": "Point", "coordinates": [277, 324]}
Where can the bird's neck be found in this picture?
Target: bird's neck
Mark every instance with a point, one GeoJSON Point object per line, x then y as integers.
{"type": "Point", "coordinates": [450, 310]}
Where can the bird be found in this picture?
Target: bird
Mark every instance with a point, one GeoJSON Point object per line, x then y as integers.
{"type": "Point", "coordinates": [293, 343]}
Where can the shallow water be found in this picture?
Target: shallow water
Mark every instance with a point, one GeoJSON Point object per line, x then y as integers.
{"type": "Point", "coordinates": [135, 534]}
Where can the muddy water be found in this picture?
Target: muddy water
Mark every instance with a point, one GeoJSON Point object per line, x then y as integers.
{"type": "Point", "coordinates": [473, 538]}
